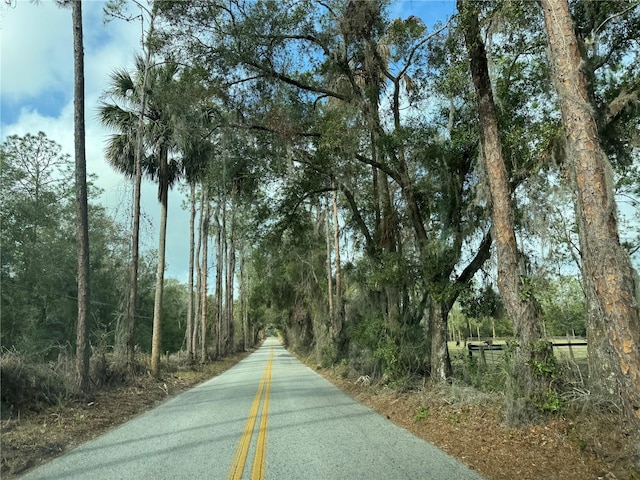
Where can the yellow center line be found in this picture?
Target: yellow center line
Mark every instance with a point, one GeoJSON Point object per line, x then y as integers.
{"type": "Point", "coordinates": [240, 457]}
{"type": "Point", "coordinates": [261, 448]}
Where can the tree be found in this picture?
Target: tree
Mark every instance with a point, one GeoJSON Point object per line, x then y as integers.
{"type": "Point", "coordinates": [337, 332]}
{"type": "Point", "coordinates": [159, 139]}
{"type": "Point", "coordinates": [205, 222]}
{"type": "Point", "coordinates": [39, 252]}
{"type": "Point", "coordinates": [353, 58]}
{"type": "Point", "coordinates": [191, 327]}
{"type": "Point", "coordinates": [130, 321]}
{"type": "Point", "coordinates": [82, 343]}
{"type": "Point", "coordinates": [125, 152]}
{"type": "Point", "coordinates": [527, 387]}
{"type": "Point", "coordinates": [37, 264]}
{"type": "Point", "coordinates": [607, 272]}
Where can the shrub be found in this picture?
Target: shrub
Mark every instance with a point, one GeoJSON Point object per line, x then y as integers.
{"type": "Point", "coordinates": [31, 386]}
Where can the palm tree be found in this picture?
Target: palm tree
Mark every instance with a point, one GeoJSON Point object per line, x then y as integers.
{"type": "Point", "coordinates": [154, 105]}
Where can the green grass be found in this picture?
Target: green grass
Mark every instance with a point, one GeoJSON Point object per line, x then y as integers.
{"type": "Point", "coordinates": [495, 358]}
{"type": "Point", "coordinates": [564, 353]}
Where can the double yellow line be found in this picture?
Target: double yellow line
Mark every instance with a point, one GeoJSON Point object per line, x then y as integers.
{"type": "Point", "coordinates": [240, 457]}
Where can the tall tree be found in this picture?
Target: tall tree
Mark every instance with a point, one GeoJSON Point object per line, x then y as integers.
{"type": "Point", "coordinates": [137, 188]}
{"type": "Point", "coordinates": [205, 221]}
{"type": "Point", "coordinates": [324, 64]}
{"type": "Point", "coordinates": [190, 294]}
{"type": "Point", "coordinates": [527, 387]}
{"type": "Point", "coordinates": [82, 225]}
{"type": "Point", "coordinates": [36, 182]}
{"type": "Point", "coordinates": [161, 97]}
{"type": "Point", "coordinates": [338, 304]}
{"type": "Point", "coordinates": [115, 8]}
{"type": "Point", "coordinates": [608, 275]}
{"type": "Point", "coordinates": [230, 256]}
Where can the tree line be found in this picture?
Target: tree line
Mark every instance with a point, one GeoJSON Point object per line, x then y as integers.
{"type": "Point", "coordinates": [363, 179]}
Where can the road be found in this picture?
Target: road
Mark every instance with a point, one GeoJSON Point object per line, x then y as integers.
{"type": "Point", "coordinates": [268, 417]}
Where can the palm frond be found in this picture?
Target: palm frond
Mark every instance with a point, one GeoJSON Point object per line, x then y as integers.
{"type": "Point", "coordinates": [117, 118]}
{"type": "Point", "coordinates": [120, 153]}
{"type": "Point", "coordinates": [122, 85]}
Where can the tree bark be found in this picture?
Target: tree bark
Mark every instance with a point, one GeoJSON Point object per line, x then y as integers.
{"type": "Point", "coordinates": [606, 267]}
{"type": "Point", "coordinates": [163, 194]}
{"type": "Point", "coordinates": [198, 265]}
{"type": "Point", "coordinates": [219, 273]}
{"type": "Point", "coordinates": [440, 359]}
{"type": "Point", "coordinates": [204, 238]}
{"type": "Point", "coordinates": [130, 341]}
{"type": "Point", "coordinates": [338, 309]}
{"type": "Point", "coordinates": [231, 273]}
{"type": "Point", "coordinates": [82, 215]}
{"type": "Point", "coordinates": [244, 299]}
{"type": "Point", "coordinates": [526, 389]}
{"type": "Point", "coordinates": [190, 316]}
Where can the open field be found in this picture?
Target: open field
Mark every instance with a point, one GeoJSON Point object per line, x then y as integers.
{"type": "Point", "coordinates": [569, 356]}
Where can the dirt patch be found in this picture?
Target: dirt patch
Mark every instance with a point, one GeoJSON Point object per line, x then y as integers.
{"type": "Point", "coordinates": [30, 439]}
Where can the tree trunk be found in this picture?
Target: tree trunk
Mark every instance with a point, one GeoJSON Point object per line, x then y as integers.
{"type": "Point", "coordinates": [244, 300]}
{"type": "Point", "coordinates": [82, 216]}
{"type": "Point", "coordinates": [231, 273]}
{"type": "Point", "coordinates": [190, 316]}
{"type": "Point", "coordinates": [204, 238]}
{"type": "Point", "coordinates": [219, 272]}
{"type": "Point", "coordinates": [329, 267]}
{"type": "Point", "coordinates": [130, 341]}
{"type": "Point", "coordinates": [198, 266]}
{"type": "Point", "coordinates": [389, 242]}
{"type": "Point", "coordinates": [229, 307]}
{"type": "Point", "coordinates": [440, 360]}
{"type": "Point", "coordinates": [163, 194]}
{"type": "Point", "coordinates": [526, 389]}
{"type": "Point", "coordinates": [608, 275]}
{"type": "Point", "coordinates": [338, 313]}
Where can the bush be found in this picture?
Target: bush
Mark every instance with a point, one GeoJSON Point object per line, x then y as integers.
{"type": "Point", "coordinates": [31, 386]}
{"type": "Point", "coordinates": [107, 370]}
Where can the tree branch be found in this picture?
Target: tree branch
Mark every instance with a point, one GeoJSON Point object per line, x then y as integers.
{"type": "Point", "coordinates": [369, 245]}
{"type": "Point", "coordinates": [616, 106]}
{"type": "Point", "coordinates": [384, 168]}
{"type": "Point", "coordinates": [296, 83]}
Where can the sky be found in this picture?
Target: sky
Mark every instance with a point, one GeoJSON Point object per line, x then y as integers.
{"type": "Point", "coordinates": [36, 85]}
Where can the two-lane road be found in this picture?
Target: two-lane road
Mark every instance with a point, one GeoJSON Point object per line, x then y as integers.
{"type": "Point", "coordinates": [268, 417]}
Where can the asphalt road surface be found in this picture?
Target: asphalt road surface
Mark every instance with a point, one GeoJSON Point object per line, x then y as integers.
{"type": "Point", "coordinates": [268, 417]}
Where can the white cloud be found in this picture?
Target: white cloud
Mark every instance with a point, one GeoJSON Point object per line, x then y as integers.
{"type": "Point", "coordinates": [37, 61]}
{"type": "Point", "coordinates": [33, 57]}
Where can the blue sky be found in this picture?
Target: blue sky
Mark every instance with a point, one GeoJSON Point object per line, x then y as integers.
{"type": "Point", "coordinates": [36, 85]}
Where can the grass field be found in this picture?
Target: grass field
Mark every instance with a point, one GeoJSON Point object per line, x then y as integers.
{"type": "Point", "coordinates": [568, 357]}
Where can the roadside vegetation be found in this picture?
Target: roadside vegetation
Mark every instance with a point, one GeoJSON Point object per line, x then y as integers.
{"type": "Point", "coordinates": [381, 193]}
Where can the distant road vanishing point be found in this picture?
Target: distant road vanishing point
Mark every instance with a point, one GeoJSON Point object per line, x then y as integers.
{"type": "Point", "coordinates": [269, 417]}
